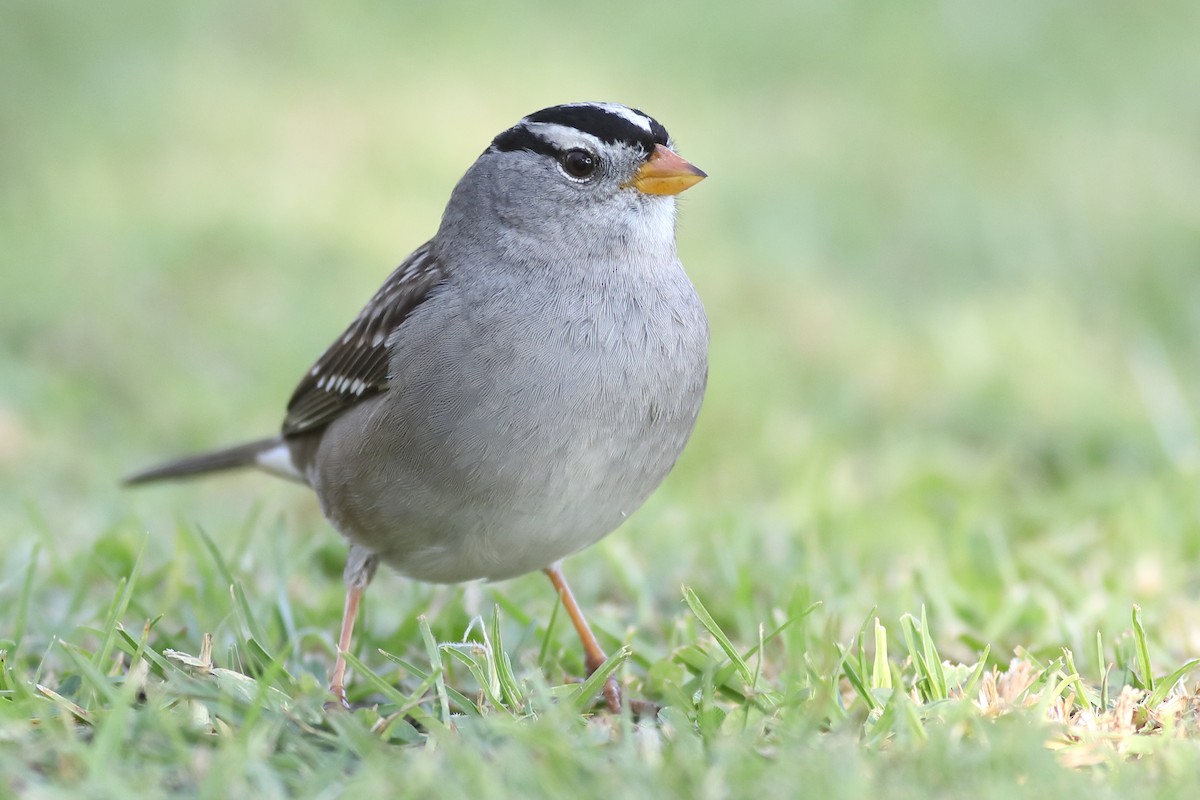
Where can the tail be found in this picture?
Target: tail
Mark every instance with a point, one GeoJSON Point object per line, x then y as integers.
{"type": "Point", "coordinates": [271, 455]}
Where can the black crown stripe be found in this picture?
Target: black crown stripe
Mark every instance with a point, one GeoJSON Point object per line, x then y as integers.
{"type": "Point", "coordinates": [606, 126]}
{"type": "Point", "coordinates": [521, 138]}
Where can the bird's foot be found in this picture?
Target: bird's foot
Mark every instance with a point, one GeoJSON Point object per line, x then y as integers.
{"type": "Point", "coordinates": [338, 702]}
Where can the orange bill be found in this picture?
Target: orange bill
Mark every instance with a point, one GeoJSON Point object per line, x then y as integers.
{"type": "Point", "coordinates": [666, 173]}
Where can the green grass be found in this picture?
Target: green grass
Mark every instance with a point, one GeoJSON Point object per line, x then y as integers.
{"type": "Point", "coordinates": [939, 526]}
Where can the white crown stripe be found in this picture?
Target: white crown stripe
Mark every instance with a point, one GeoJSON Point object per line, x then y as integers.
{"type": "Point", "coordinates": [625, 113]}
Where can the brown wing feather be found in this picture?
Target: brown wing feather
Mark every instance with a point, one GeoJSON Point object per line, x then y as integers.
{"type": "Point", "coordinates": [355, 366]}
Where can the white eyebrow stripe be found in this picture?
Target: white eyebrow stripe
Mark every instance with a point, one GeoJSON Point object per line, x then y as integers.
{"type": "Point", "coordinates": [564, 137]}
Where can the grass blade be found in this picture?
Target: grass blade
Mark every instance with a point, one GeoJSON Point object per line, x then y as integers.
{"type": "Point", "coordinates": [850, 670]}
{"type": "Point", "coordinates": [509, 688]}
{"type": "Point", "coordinates": [1165, 685]}
{"type": "Point", "coordinates": [435, 660]}
{"type": "Point", "coordinates": [933, 660]}
{"type": "Point", "coordinates": [23, 599]}
{"type": "Point", "coordinates": [461, 700]}
{"type": "Point", "coordinates": [972, 683]}
{"type": "Point", "coordinates": [1142, 650]}
{"type": "Point", "coordinates": [463, 654]}
{"type": "Point", "coordinates": [881, 672]}
{"type": "Point", "coordinates": [713, 628]}
{"type": "Point", "coordinates": [116, 610]}
{"type": "Point", "coordinates": [582, 697]}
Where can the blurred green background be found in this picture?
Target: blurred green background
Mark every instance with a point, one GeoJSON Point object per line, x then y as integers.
{"type": "Point", "coordinates": [949, 251]}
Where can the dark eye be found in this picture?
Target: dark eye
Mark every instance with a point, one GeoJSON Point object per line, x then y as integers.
{"type": "Point", "coordinates": [578, 163]}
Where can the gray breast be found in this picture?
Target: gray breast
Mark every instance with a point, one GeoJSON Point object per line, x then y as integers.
{"type": "Point", "coordinates": [518, 429]}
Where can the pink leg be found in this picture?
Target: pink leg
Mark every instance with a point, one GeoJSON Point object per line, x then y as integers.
{"type": "Point", "coordinates": [337, 686]}
{"type": "Point", "coordinates": [360, 568]}
{"type": "Point", "coordinates": [593, 654]}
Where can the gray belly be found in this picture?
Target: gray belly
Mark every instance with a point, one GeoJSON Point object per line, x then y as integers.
{"type": "Point", "coordinates": [492, 460]}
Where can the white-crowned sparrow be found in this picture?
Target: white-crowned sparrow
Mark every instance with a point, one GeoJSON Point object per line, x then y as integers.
{"type": "Point", "coordinates": [521, 382]}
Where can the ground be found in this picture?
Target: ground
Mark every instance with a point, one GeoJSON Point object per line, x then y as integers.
{"type": "Point", "coordinates": [938, 530]}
